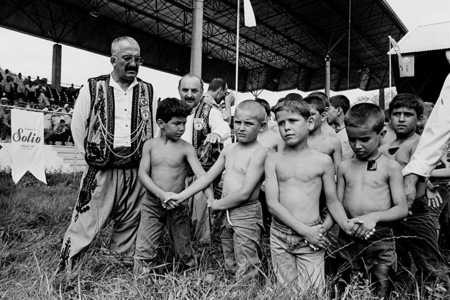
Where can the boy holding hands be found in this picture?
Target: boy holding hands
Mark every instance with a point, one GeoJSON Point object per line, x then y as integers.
{"type": "Point", "coordinates": [162, 171]}
{"type": "Point", "coordinates": [405, 111]}
{"type": "Point", "coordinates": [295, 177]}
{"type": "Point", "coordinates": [371, 188]}
{"type": "Point", "coordinates": [243, 163]}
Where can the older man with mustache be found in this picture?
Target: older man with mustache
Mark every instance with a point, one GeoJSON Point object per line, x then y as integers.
{"type": "Point", "coordinates": [113, 116]}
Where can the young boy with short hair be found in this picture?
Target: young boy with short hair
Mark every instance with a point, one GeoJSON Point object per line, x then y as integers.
{"type": "Point", "coordinates": [163, 169]}
{"type": "Point", "coordinates": [295, 177]}
{"type": "Point", "coordinates": [339, 105]}
{"type": "Point", "coordinates": [326, 144]}
{"type": "Point", "coordinates": [371, 189]}
{"type": "Point", "coordinates": [243, 163]}
{"type": "Point", "coordinates": [418, 230]}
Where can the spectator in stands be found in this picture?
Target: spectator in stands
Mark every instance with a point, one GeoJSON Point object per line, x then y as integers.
{"type": "Point", "coordinates": [3, 101]}
{"type": "Point", "coordinates": [8, 86]}
{"type": "Point", "coordinates": [60, 133]}
{"type": "Point", "coordinates": [42, 98]}
{"type": "Point", "coordinates": [48, 124]}
{"type": "Point", "coordinates": [20, 86]}
{"type": "Point", "coordinates": [71, 91]}
{"type": "Point", "coordinates": [5, 134]}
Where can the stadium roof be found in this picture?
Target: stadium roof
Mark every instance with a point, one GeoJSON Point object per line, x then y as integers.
{"type": "Point", "coordinates": [286, 50]}
{"type": "Point", "coordinates": [427, 37]}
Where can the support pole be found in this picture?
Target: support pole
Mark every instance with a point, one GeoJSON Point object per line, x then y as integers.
{"type": "Point", "coordinates": [56, 66]}
{"type": "Point", "coordinates": [236, 88]}
{"type": "Point", "coordinates": [197, 35]}
{"type": "Point", "coordinates": [327, 75]}
{"type": "Point", "coordinates": [381, 100]}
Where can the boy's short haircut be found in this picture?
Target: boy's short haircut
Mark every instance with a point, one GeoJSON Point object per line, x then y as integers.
{"type": "Point", "coordinates": [253, 106]}
{"type": "Point", "coordinates": [216, 84]}
{"type": "Point", "coordinates": [365, 115]}
{"type": "Point", "coordinates": [323, 96]}
{"type": "Point", "coordinates": [265, 104]}
{"type": "Point", "coordinates": [407, 101]}
{"type": "Point", "coordinates": [317, 102]}
{"type": "Point", "coordinates": [294, 106]}
{"type": "Point", "coordinates": [293, 96]}
{"type": "Point", "coordinates": [171, 108]}
{"type": "Point", "coordinates": [340, 101]}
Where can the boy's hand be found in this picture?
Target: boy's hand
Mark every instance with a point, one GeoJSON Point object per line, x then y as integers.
{"type": "Point", "coordinates": [351, 225]}
{"type": "Point", "coordinates": [434, 199]}
{"type": "Point", "coordinates": [315, 237]}
{"type": "Point", "coordinates": [367, 228]}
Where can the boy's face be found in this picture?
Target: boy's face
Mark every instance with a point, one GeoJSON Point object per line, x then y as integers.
{"type": "Point", "coordinates": [363, 141]}
{"type": "Point", "coordinates": [332, 114]}
{"type": "Point", "coordinates": [404, 121]}
{"type": "Point", "coordinates": [316, 117]}
{"type": "Point", "coordinates": [246, 125]}
{"type": "Point", "coordinates": [173, 129]}
{"type": "Point", "coordinates": [293, 127]}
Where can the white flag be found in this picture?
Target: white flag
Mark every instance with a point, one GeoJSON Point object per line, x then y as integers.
{"type": "Point", "coordinates": [249, 16]}
{"type": "Point", "coordinates": [27, 143]}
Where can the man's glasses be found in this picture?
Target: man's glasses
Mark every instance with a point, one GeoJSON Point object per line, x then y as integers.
{"type": "Point", "coordinates": [131, 58]}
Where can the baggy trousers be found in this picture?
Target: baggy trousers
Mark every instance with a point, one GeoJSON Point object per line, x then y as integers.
{"type": "Point", "coordinates": [105, 195]}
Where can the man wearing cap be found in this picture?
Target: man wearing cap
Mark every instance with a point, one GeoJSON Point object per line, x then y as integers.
{"type": "Point", "coordinates": [113, 117]}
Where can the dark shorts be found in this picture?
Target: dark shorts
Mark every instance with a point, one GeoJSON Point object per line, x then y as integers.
{"type": "Point", "coordinates": [363, 255]}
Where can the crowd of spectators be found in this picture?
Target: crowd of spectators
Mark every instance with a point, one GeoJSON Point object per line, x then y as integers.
{"type": "Point", "coordinates": [16, 91]}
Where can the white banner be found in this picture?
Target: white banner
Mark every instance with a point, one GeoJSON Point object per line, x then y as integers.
{"type": "Point", "coordinates": [27, 142]}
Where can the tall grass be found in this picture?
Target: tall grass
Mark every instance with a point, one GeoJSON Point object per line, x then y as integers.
{"type": "Point", "coordinates": [33, 220]}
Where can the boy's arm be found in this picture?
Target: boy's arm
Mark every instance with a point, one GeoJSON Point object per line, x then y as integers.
{"type": "Point", "coordinates": [253, 174]}
{"type": "Point", "coordinates": [399, 208]}
{"type": "Point", "coordinates": [334, 199]}
{"type": "Point", "coordinates": [337, 153]}
{"type": "Point", "coordinates": [197, 168]}
{"type": "Point", "coordinates": [144, 172]}
{"type": "Point", "coordinates": [203, 181]}
{"type": "Point", "coordinates": [311, 234]}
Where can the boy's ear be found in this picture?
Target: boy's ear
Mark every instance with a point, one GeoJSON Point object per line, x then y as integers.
{"type": "Point", "coordinates": [160, 123]}
{"type": "Point", "coordinates": [382, 135]}
{"type": "Point", "coordinates": [310, 123]}
{"type": "Point", "coordinates": [340, 111]}
{"type": "Point", "coordinates": [323, 116]}
{"type": "Point", "coordinates": [263, 126]}
{"type": "Point", "coordinates": [113, 60]}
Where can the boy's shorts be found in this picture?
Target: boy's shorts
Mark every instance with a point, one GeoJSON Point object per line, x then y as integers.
{"type": "Point", "coordinates": [363, 255]}
{"type": "Point", "coordinates": [294, 262]}
{"type": "Point", "coordinates": [151, 228]}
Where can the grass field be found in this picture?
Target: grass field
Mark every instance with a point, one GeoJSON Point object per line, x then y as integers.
{"type": "Point", "coordinates": [34, 217]}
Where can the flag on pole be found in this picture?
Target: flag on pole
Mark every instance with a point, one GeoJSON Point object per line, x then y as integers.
{"type": "Point", "coordinates": [405, 63]}
{"type": "Point", "coordinates": [249, 16]}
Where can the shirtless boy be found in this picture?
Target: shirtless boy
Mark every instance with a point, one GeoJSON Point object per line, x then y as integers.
{"type": "Point", "coordinates": [163, 169]}
{"type": "Point", "coordinates": [371, 188]}
{"type": "Point", "coordinates": [405, 111]}
{"type": "Point", "coordinates": [326, 144]}
{"type": "Point", "coordinates": [243, 163]}
{"type": "Point", "coordinates": [294, 179]}
{"type": "Point", "coordinates": [269, 139]}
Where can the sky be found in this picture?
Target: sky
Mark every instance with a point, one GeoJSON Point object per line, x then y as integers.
{"type": "Point", "coordinates": [33, 56]}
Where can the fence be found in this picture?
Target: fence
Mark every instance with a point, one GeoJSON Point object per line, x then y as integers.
{"type": "Point", "coordinates": [57, 158]}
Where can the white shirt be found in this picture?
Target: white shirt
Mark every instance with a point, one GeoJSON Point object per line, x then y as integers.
{"type": "Point", "coordinates": [435, 136]}
{"type": "Point", "coordinates": [122, 121]}
{"type": "Point", "coordinates": [216, 123]}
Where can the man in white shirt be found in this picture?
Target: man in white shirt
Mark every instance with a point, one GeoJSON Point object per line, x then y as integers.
{"type": "Point", "coordinates": [204, 125]}
{"type": "Point", "coordinates": [113, 116]}
{"type": "Point", "coordinates": [433, 142]}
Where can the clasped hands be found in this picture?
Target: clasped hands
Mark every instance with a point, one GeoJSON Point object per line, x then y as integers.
{"type": "Point", "coordinates": [362, 227]}
{"type": "Point", "coordinates": [172, 200]}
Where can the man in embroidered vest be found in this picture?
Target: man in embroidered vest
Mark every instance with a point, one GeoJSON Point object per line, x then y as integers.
{"type": "Point", "coordinates": [112, 119]}
{"type": "Point", "coordinates": [205, 124]}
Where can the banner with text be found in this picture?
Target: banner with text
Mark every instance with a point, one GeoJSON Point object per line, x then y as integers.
{"type": "Point", "coordinates": [27, 142]}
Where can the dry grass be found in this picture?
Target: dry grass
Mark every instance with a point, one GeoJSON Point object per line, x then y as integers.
{"type": "Point", "coordinates": [33, 220]}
